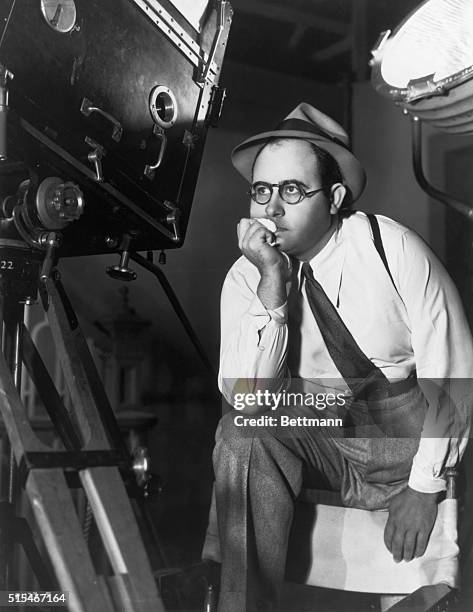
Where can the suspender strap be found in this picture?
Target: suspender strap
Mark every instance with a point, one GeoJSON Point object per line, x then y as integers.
{"type": "Point", "coordinates": [378, 243]}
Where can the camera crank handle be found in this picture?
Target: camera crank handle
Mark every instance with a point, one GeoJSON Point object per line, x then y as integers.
{"type": "Point", "coordinates": [51, 240]}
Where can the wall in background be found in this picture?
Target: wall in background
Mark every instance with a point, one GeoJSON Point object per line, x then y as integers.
{"type": "Point", "coordinates": [382, 141]}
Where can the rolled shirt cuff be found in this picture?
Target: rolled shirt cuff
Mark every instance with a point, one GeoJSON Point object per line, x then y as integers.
{"type": "Point", "coordinates": [420, 481]}
{"type": "Point", "coordinates": [278, 315]}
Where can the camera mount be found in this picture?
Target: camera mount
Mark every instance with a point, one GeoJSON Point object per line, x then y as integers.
{"type": "Point", "coordinates": [91, 445]}
{"type": "Point", "coordinates": [99, 153]}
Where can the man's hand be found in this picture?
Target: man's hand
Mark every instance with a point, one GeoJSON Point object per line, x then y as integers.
{"type": "Point", "coordinates": [254, 242]}
{"type": "Point", "coordinates": [411, 517]}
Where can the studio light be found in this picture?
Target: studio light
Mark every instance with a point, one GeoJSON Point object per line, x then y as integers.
{"type": "Point", "coordinates": [426, 64]}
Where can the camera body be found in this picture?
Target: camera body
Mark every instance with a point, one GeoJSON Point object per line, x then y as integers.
{"type": "Point", "coordinates": [114, 97]}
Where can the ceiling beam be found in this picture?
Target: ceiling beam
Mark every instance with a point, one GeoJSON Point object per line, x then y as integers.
{"type": "Point", "coordinates": [287, 14]}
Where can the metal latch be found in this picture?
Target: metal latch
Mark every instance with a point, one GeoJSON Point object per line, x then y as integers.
{"type": "Point", "coordinates": [87, 108]}
{"type": "Point", "coordinates": [149, 171]}
{"type": "Point", "coordinates": [95, 157]}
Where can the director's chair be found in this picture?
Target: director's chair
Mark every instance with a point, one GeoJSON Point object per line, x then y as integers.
{"type": "Point", "coordinates": [336, 547]}
{"type": "Point", "coordinates": [345, 550]}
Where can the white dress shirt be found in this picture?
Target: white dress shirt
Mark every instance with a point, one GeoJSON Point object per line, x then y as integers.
{"type": "Point", "coordinates": [417, 325]}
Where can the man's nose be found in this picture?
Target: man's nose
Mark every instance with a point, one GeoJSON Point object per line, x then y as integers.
{"type": "Point", "coordinates": [275, 206]}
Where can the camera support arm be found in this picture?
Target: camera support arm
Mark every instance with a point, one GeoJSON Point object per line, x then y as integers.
{"type": "Point", "coordinates": [171, 295]}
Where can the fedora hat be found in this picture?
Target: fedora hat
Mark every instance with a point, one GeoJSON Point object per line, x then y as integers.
{"type": "Point", "coordinates": [307, 123]}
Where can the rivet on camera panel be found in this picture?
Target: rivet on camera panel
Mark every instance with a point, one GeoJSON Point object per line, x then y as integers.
{"type": "Point", "coordinates": [60, 15]}
{"type": "Point", "coordinates": [163, 106]}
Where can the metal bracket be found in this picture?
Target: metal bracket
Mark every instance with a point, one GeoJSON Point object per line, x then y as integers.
{"type": "Point", "coordinates": [72, 459]}
{"type": "Point", "coordinates": [423, 88]}
{"type": "Point", "coordinates": [205, 71]}
{"type": "Point", "coordinates": [377, 50]}
{"type": "Point", "coordinates": [189, 139]}
{"type": "Point", "coordinates": [216, 105]}
{"type": "Point", "coordinates": [141, 466]}
{"type": "Point", "coordinates": [5, 76]}
{"type": "Point", "coordinates": [173, 219]}
{"type": "Point", "coordinates": [171, 29]}
{"type": "Point", "coordinates": [87, 108]}
{"type": "Point", "coordinates": [95, 157]}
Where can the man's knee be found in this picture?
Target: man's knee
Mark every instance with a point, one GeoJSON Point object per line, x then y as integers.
{"type": "Point", "coordinates": [229, 430]}
{"type": "Point", "coordinates": [236, 425]}
{"type": "Point", "coordinates": [232, 444]}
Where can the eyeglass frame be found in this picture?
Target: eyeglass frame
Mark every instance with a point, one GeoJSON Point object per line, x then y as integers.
{"type": "Point", "coordinates": [304, 194]}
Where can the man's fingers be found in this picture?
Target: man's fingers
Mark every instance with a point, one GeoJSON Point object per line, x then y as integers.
{"type": "Point", "coordinates": [388, 534]}
{"type": "Point", "coordinates": [398, 546]}
{"type": "Point", "coordinates": [247, 229]}
{"type": "Point", "coordinates": [410, 539]}
{"type": "Point", "coordinates": [256, 228]}
{"type": "Point", "coordinates": [271, 228]}
{"type": "Point", "coordinates": [411, 518]}
{"type": "Point", "coordinates": [242, 229]}
{"type": "Point", "coordinates": [402, 545]}
{"type": "Point", "coordinates": [421, 545]}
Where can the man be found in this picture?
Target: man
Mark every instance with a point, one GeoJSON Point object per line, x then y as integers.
{"type": "Point", "coordinates": [335, 305]}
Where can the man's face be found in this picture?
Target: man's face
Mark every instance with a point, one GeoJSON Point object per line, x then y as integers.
{"type": "Point", "coordinates": [302, 227]}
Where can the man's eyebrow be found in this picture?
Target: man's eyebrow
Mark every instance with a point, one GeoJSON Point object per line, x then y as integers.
{"type": "Point", "coordinates": [294, 180]}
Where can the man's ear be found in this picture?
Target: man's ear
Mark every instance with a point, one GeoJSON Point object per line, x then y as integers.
{"type": "Point", "coordinates": [337, 195]}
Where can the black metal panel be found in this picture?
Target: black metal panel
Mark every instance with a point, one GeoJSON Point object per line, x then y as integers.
{"type": "Point", "coordinates": [114, 57]}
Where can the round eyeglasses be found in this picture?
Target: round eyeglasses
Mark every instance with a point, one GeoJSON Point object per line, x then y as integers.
{"type": "Point", "coordinates": [291, 192]}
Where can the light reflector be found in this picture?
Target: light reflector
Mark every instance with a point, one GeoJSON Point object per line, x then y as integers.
{"type": "Point", "coordinates": [427, 64]}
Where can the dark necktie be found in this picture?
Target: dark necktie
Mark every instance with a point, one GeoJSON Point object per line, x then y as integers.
{"type": "Point", "coordinates": [357, 370]}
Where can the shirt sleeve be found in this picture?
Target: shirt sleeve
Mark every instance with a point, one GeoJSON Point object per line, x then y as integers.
{"type": "Point", "coordinates": [443, 350]}
{"type": "Point", "coordinates": [253, 345]}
